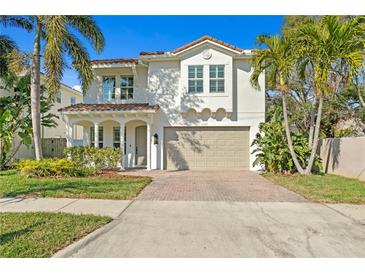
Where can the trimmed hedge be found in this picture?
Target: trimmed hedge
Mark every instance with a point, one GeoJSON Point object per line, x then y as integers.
{"type": "Point", "coordinates": [100, 158]}
{"type": "Point", "coordinates": [54, 167]}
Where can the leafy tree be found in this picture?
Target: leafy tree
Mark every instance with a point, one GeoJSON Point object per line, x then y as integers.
{"type": "Point", "coordinates": [278, 61]}
{"type": "Point", "coordinates": [8, 47]}
{"type": "Point", "coordinates": [272, 150]}
{"type": "Point", "coordinates": [333, 51]}
{"type": "Point", "coordinates": [15, 121]}
{"type": "Point", "coordinates": [310, 64]}
{"type": "Point", "coordinates": [58, 33]}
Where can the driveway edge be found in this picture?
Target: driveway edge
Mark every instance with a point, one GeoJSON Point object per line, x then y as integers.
{"type": "Point", "coordinates": [73, 248]}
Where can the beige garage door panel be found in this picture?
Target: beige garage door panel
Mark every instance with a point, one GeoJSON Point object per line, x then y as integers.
{"type": "Point", "coordinates": [206, 147]}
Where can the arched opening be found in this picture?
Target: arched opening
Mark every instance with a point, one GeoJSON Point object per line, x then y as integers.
{"type": "Point", "coordinates": [135, 144]}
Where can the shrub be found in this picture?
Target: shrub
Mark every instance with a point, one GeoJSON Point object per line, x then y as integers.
{"type": "Point", "coordinates": [100, 158]}
{"type": "Point", "coordinates": [54, 168]}
{"type": "Point", "coordinates": [272, 148]}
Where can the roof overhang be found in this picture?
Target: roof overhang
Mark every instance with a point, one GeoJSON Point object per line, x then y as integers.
{"type": "Point", "coordinates": [204, 42]}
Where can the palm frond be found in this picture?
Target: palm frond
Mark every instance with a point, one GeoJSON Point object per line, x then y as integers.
{"type": "Point", "coordinates": [80, 60]}
{"type": "Point", "coordinates": [16, 21]}
{"type": "Point", "coordinates": [55, 29]}
{"type": "Point", "coordinates": [89, 29]}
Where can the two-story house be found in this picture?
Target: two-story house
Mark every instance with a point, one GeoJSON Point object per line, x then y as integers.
{"type": "Point", "coordinates": [190, 108]}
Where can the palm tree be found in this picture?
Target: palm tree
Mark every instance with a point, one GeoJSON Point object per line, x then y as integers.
{"type": "Point", "coordinates": [7, 45]}
{"type": "Point", "coordinates": [58, 33]}
{"type": "Point", "coordinates": [333, 50]}
{"type": "Point", "coordinates": [329, 51]}
{"type": "Point", "coordinates": [278, 61]}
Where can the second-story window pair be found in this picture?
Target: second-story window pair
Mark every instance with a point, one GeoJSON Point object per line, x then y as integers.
{"type": "Point", "coordinates": [196, 79]}
{"type": "Point", "coordinates": [126, 88]}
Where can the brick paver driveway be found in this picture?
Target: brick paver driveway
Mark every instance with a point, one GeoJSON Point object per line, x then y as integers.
{"type": "Point", "coordinates": [213, 185]}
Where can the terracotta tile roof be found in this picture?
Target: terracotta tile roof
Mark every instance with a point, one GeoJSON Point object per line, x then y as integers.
{"type": "Point", "coordinates": [152, 52]}
{"type": "Point", "coordinates": [209, 38]}
{"type": "Point", "coordinates": [110, 107]}
{"type": "Point", "coordinates": [144, 53]}
{"type": "Point", "coordinates": [115, 61]}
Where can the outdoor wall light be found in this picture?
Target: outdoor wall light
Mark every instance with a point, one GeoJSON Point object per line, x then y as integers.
{"type": "Point", "coordinates": [155, 139]}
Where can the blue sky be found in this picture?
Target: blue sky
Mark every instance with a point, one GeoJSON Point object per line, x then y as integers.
{"type": "Point", "coordinates": [126, 36]}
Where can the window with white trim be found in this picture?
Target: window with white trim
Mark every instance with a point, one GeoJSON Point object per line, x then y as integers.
{"type": "Point", "coordinates": [126, 87]}
{"type": "Point", "coordinates": [116, 137]}
{"type": "Point", "coordinates": [59, 97]}
{"type": "Point", "coordinates": [72, 100]}
{"type": "Point", "coordinates": [92, 136]}
{"type": "Point", "coordinates": [108, 88]}
{"type": "Point", "coordinates": [195, 76]}
{"type": "Point", "coordinates": [216, 78]}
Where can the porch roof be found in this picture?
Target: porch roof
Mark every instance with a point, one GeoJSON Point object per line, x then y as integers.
{"type": "Point", "coordinates": [110, 107]}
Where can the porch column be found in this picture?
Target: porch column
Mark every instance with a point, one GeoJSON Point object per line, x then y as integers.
{"type": "Point", "coordinates": [96, 135]}
{"type": "Point", "coordinates": [69, 134]}
{"type": "Point", "coordinates": [148, 145]}
{"type": "Point", "coordinates": [121, 142]}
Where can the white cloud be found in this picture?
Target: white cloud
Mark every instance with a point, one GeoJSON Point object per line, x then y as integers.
{"type": "Point", "coordinates": [77, 87]}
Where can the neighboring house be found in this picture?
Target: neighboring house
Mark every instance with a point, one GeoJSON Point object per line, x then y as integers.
{"type": "Point", "coordinates": [191, 108]}
{"type": "Point", "coordinates": [65, 97]}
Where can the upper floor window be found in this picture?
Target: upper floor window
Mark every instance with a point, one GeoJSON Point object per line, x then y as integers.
{"type": "Point", "coordinates": [195, 75]}
{"type": "Point", "coordinates": [59, 97]}
{"type": "Point", "coordinates": [126, 87]}
{"type": "Point", "coordinates": [108, 88]}
{"type": "Point", "coordinates": [72, 100]}
{"type": "Point", "coordinates": [216, 78]}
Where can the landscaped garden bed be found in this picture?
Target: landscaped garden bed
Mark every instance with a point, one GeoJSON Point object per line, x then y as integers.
{"type": "Point", "coordinates": [34, 235]}
{"type": "Point", "coordinates": [325, 188]}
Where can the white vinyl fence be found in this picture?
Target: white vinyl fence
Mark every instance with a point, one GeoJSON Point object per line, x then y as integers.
{"type": "Point", "coordinates": [343, 156]}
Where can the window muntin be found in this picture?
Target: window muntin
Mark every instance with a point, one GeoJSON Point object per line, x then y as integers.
{"type": "Point", "coordinates": [216, 78]}
{"type": "Point", "coordinates": [72, 100]}
{"type": "Point", "coordinates": [108, 88]}
{"type": "Point", "coordinates": [92, 136]}
{"type": "Point", "coordinates": [126, 87]}
{"type": "Point", "coordinates": [59, 97]}
{"type": "Point", "coordinates": [195, 76]}
{"type": "Point", "coordinates": [116, 137]}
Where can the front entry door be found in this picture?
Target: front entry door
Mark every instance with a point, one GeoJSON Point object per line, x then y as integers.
{"type": "Point", "coordinates": [141, 146]}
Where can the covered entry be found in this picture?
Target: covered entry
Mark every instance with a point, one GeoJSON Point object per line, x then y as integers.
{"type": "Point", "coordinates": [206, 147]}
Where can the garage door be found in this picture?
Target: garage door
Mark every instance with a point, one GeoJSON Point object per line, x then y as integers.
{"type": "Point", "coordinates": [206, 147]}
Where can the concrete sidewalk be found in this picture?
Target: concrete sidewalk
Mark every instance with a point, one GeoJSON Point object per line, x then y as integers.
{"type": "Point", "coordinates": [228, 229]}
{"type": "Point", "coordinates": [111, 208]}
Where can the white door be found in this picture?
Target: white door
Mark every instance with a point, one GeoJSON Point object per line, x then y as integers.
{"type": "Point", "coordinates": [141, 146]}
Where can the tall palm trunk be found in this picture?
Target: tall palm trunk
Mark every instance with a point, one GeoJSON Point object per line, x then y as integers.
{"type": "Point", "coordinates": [35, 92]}
{"type": "Point", "coordinates": [308, 170]}
{"type": "Point", "coordinates": [311, 126]}
{"type": "Point", "coordinates": [288, 137]}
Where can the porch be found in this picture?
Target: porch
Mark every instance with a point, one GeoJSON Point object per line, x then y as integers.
{"type": "Point", "coordinates": [128, 127]}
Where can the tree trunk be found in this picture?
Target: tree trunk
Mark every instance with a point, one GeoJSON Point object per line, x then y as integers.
{"type": "Point", "coordinates": [311, 125]}
{"type": "Point", "coordinates": [35, 92]}
{"type": "Point", "coordinates": [308, 170]}
{"type": "Point", "coordinates": [360, 97]}
{"type": "Point", "coordinates": [288, 137]}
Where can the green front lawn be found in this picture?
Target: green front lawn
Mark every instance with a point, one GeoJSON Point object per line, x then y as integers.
{"type": "Point", "coordinates": [34, 235]}
{"type": "Point", "coordinates": [325, 188]}
{"type": "Point", "coordinates": [99, 187]}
